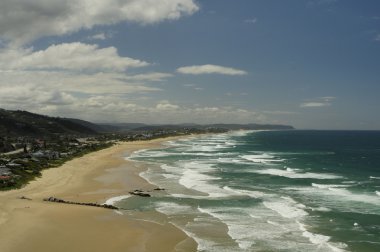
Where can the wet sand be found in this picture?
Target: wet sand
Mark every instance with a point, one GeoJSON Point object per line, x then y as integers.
{"type": "Point", "coordinates": [35, 225]}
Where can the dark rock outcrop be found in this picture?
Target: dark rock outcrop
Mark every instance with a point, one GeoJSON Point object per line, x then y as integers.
{"type": "Point", "coordinates": [140, 193]}
{"type": "Point", "coordinates": [159, 189]}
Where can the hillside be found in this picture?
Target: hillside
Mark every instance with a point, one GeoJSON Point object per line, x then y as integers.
{"type": "Point", "coordinates": [23, 123]}
{"type": "Point", "coordinates": [141, 127]}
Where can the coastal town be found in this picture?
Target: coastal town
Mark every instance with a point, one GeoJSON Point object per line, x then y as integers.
{"type": "Point", "coordinates": [30, 143]}
{"type": "Point", "coordinates": [22, 158]}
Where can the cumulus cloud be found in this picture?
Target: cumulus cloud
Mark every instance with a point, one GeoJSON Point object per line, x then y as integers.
{"type": "Point", "coordinates": [210, 69]}
{"type": "Point", "coordinates": [68, 56]}
{"type": "Point", "coordinates": [22, 21]}
{"type": "Point", "coordinates": [16, 83]}
{"type": "Point", "coordinates": [62, 77]}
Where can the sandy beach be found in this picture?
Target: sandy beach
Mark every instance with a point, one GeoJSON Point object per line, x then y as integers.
{"type": "Point", "coordinates": [35, 225]}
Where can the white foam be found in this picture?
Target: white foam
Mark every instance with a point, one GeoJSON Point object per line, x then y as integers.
{"type": "Point", "coordinates": [292, 169]}
{"type": "Point", "coordinates": [149, 154]}
{"type": "Point", "coordinates": [172, 169]}
{"type": "Point", "coordinates": [342, 198]}
{"type": "Point", "coordinates": [349, 182]}
{"type": "Point", "coordinates": [170, 208]}
{"type": "Point", "coordinates": [252, 194]}
{"type": "Point", "coordinates": [328, 186]}
{"type": "Point", "coordinates": [355, 196]}
{"type": "Point", "coordinates": [147, 175]}
{"type": "Point", "coordinates": [202, 244]}
{"type": "Point", "coordinates": [170, 176]}
{"type": "Point", "coordinates": [321, 240]}
{"type": "Point", "coordinates": [257, 225]}
{"type": "Point", "coordinates": [238, 228]}
{"type": "Point", "coordinates": [296, 175]}
{"type": "Point", "coordinates": [233, 161]}
{"type": "Point", "coordinates": [194, 177]}
{"type": "Point", "coordinates": [113, 200]}
{"type": "Point", "coordinates": [372, 177]}
{"type": "Point", "coordinates": [274, 223]}
{"type": "Point", "coordinates": [261, 158]}
{"type": "Point", "coordinates": [287, 208]}
{"type": "Point", "coordinates": [378, 193]}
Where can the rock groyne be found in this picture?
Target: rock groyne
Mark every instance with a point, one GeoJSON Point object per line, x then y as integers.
{"type": "Point", "coordinates": [57, 200]}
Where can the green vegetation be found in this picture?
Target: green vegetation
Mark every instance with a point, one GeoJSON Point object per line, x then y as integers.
{"type": "Point", "coordinates": [16, 123]}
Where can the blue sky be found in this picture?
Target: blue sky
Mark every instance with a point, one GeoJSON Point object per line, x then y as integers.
{"type": "Point", "coordinates": [312, 64]}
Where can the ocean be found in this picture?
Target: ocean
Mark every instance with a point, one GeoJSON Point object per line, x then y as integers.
{"type": "Point", "coordinates": [269, 190]}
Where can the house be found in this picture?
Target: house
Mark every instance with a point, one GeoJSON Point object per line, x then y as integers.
{"type": "Point", "coordinates": [14, 165]}
{"type": "Point", "coordinates": [45, 154]}
{"type": "Point", "coordinates": [5, 178]}
{"type": "Point", "coordinates": [4, 171]}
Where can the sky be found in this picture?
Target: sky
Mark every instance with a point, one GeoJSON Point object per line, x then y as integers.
{"type": "Point", "coordinates": [313, 64]}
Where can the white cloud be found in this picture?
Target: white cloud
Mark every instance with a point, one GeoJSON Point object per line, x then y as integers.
{"type": "Point", "coordinates": [29, 82]}
{"type": "Point", "coordinates": [22, 21]}
{"type": "Point", "coordinates": [210, 69]}
{"type": "Point", "coordinates": [166, 106]}
{"type": "Point", "coordinates": [65, 75]}
{"type": "Point", "coordinates": [318, 102]}
{"type": "Point", "coordinates": [98, 36]}
{"type": "Point", "coordinates": [314, 104]}
{"type": "Point", "coordinates": [69, 56]}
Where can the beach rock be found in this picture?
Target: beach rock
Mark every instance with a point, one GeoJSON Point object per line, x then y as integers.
{"type": "Point", "coordinates": [53, 199]}
{"type": "Point", "coordinates": [110, 207]}
{"type": "Point", "coordinates": [159, 189]}
{"type": "Point", "coordinates": [140, 193]}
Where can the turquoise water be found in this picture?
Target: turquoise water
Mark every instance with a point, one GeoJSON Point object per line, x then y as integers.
{"type": "Point", "coordinates": [269, 190]}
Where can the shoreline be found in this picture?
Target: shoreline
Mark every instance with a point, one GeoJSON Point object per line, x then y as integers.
{"type": "Point", "coordinates": [34, 225]}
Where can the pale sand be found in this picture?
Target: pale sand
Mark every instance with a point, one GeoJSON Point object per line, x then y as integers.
{"type": "Point", "coordinates": [44, 226]}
